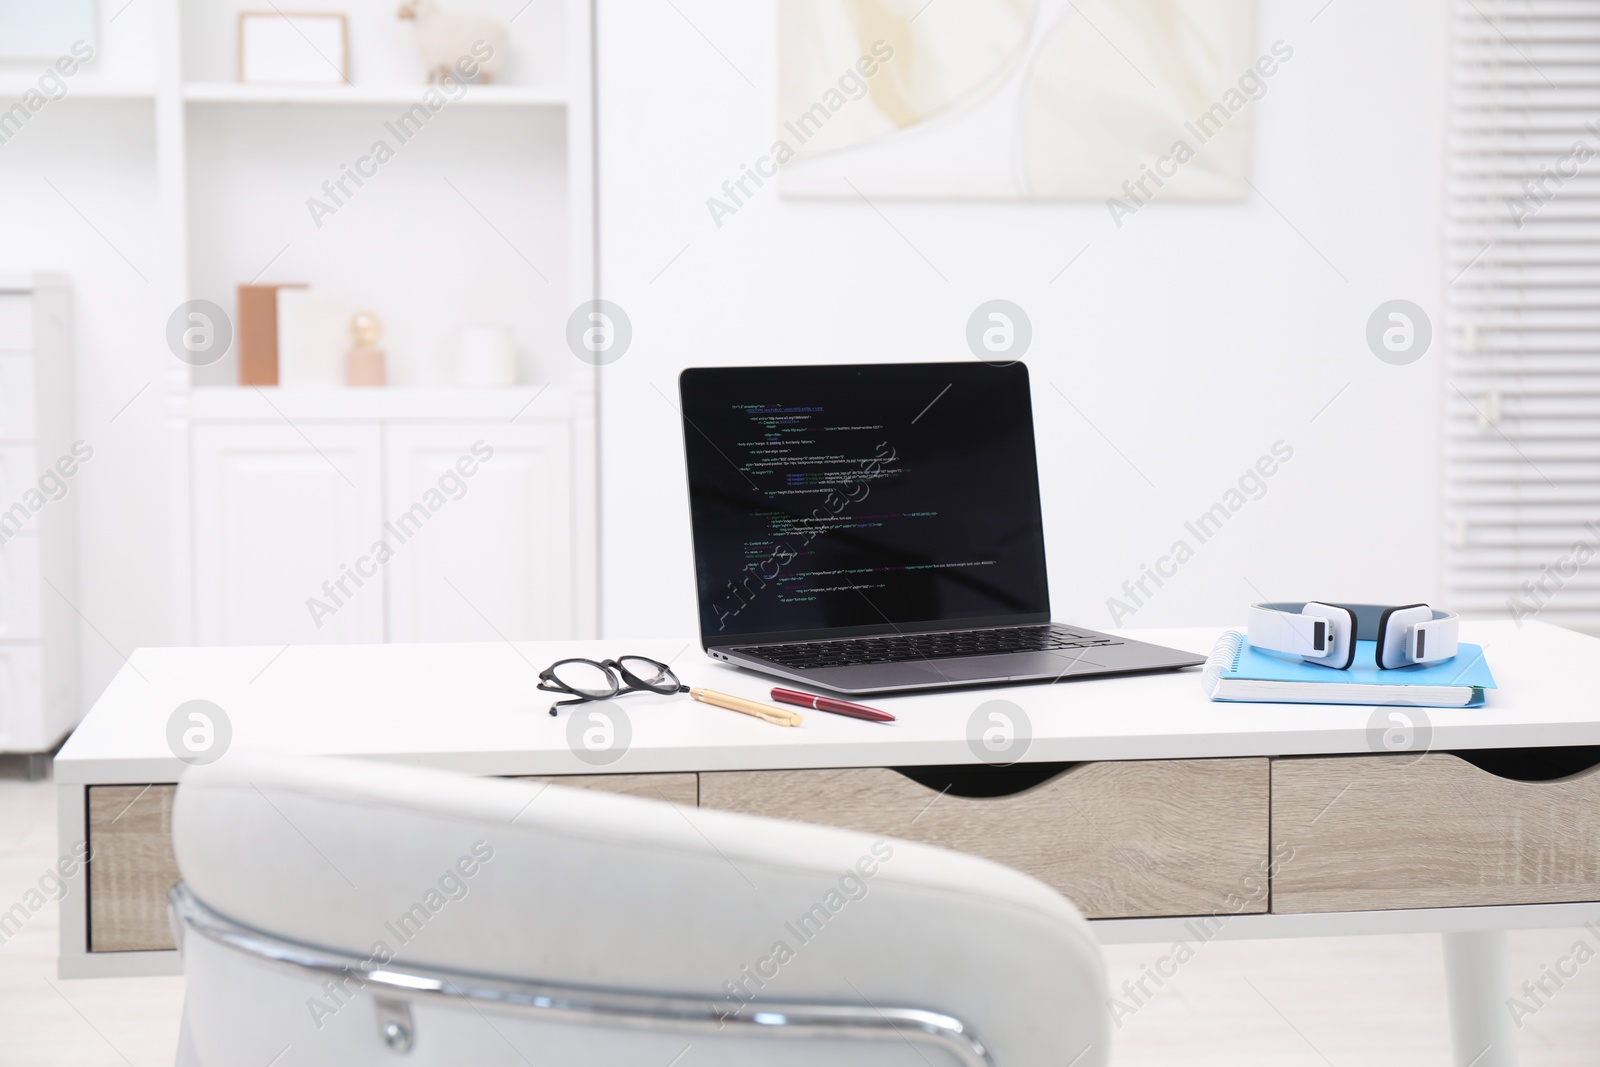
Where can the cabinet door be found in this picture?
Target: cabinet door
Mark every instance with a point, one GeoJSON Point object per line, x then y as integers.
{"type": "Point", "coordinates": [281, 524]}
{"type": "Point", "coordinates": [480, 518]}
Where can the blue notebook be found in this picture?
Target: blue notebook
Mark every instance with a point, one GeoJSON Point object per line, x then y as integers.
{"type": "Point", "coordinates": [1237, 671]}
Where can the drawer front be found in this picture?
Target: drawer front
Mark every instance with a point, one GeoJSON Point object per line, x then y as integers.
{"type": "Point", "coordinates": [1368, 833]}
{"type": "Point", "coordinates": [677, 788]}
{"type": "Point", "coordinates": [1144, 838]}
{"type": "Point", "coordinates": [131, 864]}
{"type": "Point", "coordinates": [130, 867]}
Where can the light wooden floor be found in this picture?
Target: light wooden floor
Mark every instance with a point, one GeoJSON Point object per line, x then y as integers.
{"type": "Point", "coordinates": [1369, 1001]}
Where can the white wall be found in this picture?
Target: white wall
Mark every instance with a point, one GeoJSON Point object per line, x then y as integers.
{"type": "Point", "coordinates": [1192, 338]}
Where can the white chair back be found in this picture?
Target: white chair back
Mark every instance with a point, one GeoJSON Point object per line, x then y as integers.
{"type": "Point", "coordinates": [355, 912]}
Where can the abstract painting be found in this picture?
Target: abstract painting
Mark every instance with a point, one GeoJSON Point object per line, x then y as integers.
{"type": "Point", "coordinates": [1019, 99]}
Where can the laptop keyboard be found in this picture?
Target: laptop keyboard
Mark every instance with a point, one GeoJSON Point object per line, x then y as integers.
{"type": "Point", "coordinates": [898, 648]}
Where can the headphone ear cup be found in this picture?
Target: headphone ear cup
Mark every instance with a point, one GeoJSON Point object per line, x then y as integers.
{"type": "Point", "coordinates": [1344, 636]}
{"type": "Point", "coordinates": [1383, 639]}
{"type": "Point", "coordinates": [1350, 632]}
{"type": "Point", "coordinates": [1391, 639]}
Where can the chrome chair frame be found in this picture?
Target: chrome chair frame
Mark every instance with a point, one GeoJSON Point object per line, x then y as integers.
{"type": "Point", "coordinates": [576, 1004]}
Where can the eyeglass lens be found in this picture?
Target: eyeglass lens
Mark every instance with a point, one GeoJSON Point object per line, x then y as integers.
{"type": "Point", "coordinates": [650, 674]}
{"type": "Point", "coordinates": [586, 679]}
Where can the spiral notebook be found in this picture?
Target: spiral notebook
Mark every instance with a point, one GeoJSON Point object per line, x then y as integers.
{"type": "Point", "coordinates": [1237, 671]}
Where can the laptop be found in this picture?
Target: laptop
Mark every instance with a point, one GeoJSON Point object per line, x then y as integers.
{"type": "Point", "coordinates": [872, 528]}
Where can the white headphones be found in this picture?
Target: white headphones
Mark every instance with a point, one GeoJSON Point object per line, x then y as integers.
{"type": "Point", "coordinates": [1326, 634]}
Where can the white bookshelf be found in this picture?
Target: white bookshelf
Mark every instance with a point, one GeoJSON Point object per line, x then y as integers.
{"type": "Point", "coordinates": [486, 217]}
{"type": "Point", "coordinates": [169, 180]}
{"type": "Point", "coordinates": [228, 403]}
{"type": "Point", "coordinates": [403, 95]}
{"type": "Point", "coordinates": [80, 90]}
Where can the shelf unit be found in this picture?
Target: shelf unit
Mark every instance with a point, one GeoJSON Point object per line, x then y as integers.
{"type": "Point", "coordinates": [12, 87]}
{"type": "Point", "coordinates": [229, 403]}
{"type": "Point", "coordinates": [234, 163]}
{"type": "Point", "coordinates": [169, 181]}
{"type": "Point", "coordinates": [475, 96]}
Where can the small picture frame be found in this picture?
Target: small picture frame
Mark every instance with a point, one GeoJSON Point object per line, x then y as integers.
{"type": "Point", "coordinates": [293, 48]}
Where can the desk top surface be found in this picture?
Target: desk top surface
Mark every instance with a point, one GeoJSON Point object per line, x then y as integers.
{"type": "Point", "coordinates": [475, 708]}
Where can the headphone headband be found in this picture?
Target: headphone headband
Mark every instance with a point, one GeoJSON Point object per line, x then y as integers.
{"type": "Point", "coordinates": [1326, 633]}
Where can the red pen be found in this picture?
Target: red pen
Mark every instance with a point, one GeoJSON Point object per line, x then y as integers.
{"type": "Point", "coordinates": [838, 707]}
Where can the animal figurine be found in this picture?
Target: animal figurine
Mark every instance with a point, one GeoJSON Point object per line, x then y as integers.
{"type": "Point", "coordinates": [450, 41]}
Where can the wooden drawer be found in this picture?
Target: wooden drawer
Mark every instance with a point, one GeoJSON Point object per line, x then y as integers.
{"type": "Point", "coordinates": [132, 867]}
{"type": "Point", "coordinates": [1166, 837]}
{"type": "Point", "coordinates": [1366, 833]}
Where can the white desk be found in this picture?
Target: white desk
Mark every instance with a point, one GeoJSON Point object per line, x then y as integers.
{"type": "Point", "coordinates": [475, 709]}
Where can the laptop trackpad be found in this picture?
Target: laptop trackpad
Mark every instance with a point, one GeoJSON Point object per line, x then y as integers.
{"type": "Point", "coordinates": [1023, 665]}
{"type": "Point", "coordinates": [977, 668]}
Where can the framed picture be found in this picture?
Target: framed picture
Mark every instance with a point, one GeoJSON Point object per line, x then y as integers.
{"type": "Point", "coordinates": [293, 48]}
{"type": "Point", "coordinates": [1019, 100]}
{"type": "Point", "coordinates": [33, 30]}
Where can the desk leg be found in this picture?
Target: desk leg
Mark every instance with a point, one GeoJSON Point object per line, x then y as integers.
{"type": "Point", "coordinates": [1478, 977]}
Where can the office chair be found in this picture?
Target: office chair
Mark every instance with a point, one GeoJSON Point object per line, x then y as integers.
{"type": "Point", "coordinates": [354, 912]}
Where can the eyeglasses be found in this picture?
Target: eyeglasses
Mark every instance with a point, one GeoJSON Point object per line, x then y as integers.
{"type": "Point", "coordinates": [587, 679]}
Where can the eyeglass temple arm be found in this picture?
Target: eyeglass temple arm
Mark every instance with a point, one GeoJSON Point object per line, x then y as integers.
{"type": "Point", "coordinates": [564, 703]}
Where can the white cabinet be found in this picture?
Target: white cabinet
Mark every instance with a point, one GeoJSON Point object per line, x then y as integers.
{"type": "Point", "coordinates": [280, 519]}
{"type": "Point", "coordinates": [353, 516]}
{"type": "Point", "coordinates": [511, 243]}
{"type": "Point", "coordinates": [38, 527]}
{"type": "Point", "coordinates": [494, 559]}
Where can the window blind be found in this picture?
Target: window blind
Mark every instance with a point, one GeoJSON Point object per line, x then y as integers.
{"type": "Point", "coordinates": [1522, 338]}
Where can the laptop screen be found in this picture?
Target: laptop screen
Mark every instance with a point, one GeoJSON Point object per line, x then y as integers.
{"type": "Point", "coordinates": [861, 499]}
